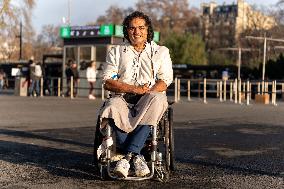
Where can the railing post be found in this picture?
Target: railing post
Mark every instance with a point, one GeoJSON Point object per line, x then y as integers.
{"type": "Point", "coordinates": [176, 88]}
{"type": "Point", "coordinates": [240, 91]}
{"type": "Point", "coordinates": [204, 91]}
{"type": "Point", "coordinates": [217, 90]}
{"type": "Point", "coordinates": [41, 86]}
{"type": "Point", "coordinates": [71, 88]}
{"type": "Point", "coordinates": [220, 88]}
{"type": "Point", "coordinates": [188, 90]}
{"type": "Point", "coordinates": [236, 91]}
{"type": "Point", "coordinates": [262, 88]}
{"type": "Point", "coordinates": [282, 91]}
{"type": "Point", "coordinates": [247, 92]}
{"type": "Point", "coordinates": [59, 87]}
{"type": "Point", "coordinates": [231, 91]}
{"type": "Point", "coordinates": [225, 90]}
{"type": "Point", "coordinates": [244, 90]}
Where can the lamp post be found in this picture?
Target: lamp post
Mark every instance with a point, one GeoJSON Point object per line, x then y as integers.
{"type": "Point", "coordinates": [69, 12]}
{"type": "Point", "coordinates": [265, 39]}
{"type": "Point", "coordinates": [20, 36]}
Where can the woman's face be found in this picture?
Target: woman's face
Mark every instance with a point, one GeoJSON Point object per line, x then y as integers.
{"type": "Point", "coordinates": [137, 31]}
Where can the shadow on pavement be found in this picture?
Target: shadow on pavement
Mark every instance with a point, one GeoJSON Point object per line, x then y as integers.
{"type": "Point", "coordinates": [246, 148]}
{"type": "Point", "coordinates": [59, 162]}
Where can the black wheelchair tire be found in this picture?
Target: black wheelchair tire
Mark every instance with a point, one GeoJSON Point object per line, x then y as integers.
{"type": "Point", "coordinates": [171, 139]}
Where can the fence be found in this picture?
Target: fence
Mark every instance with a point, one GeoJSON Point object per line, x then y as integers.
{"type": "Point", "coordinates": [236, 91]}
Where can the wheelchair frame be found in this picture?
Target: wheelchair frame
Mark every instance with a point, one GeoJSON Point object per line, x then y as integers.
{"type": "Point", "coordinates": [161, 143]}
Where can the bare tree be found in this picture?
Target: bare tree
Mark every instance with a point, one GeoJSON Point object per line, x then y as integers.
{"type": "Point", "coordinates": [11, 15]}
{"type": "Point", "coordinates": [114, 15]}
{"type": "Point", "coordinates": [47, 42]}
{"type": "Point", "coordinates": [169, 15]}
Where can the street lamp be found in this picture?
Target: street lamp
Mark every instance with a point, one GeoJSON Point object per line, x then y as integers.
{"type": "Point", "coordinates": [265, 39]}
{"type": "Point", "coordinates": [20, 36]}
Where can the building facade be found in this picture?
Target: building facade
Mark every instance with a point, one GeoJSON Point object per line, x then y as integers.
{"type": "Point", "coordinates": [222, 24]}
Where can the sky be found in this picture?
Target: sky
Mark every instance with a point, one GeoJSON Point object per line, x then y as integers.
{"type": "Point", "coordinates": [85, 11]}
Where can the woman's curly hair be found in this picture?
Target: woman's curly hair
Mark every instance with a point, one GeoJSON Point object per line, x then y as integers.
{"type": "Point", "coordinates": [138, 14]}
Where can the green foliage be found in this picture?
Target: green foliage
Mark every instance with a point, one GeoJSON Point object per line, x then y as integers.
{"type": "Point", "coordinates": [218, 58]}
{"type": "Point", "coordinates": [186, 49]}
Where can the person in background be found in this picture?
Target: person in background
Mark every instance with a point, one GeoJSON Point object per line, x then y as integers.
{"type": "Point", "coordinates": [76, 78]}
{"type": "Point", "coordinates": [72, 71]}
{"type": "Point", "coordinates": [91, 77]}
{"type": "Point", "coordinates": [2, 79]}
{"type": "Point", "coordinates": [35, 76]}
{"type": "Point", "coordinates": [68, 74]}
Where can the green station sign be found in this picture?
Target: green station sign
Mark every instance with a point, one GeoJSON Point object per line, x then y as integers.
{"type": "Point", "coordinates": [65, 32]}
{"type": "Point", "coordinates": [106, 30]}
{"type": "Point", "coordinates": [96, 31]}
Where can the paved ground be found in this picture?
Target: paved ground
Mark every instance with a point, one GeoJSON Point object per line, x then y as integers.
{"type": "Point", "coordinates": [47, 143]}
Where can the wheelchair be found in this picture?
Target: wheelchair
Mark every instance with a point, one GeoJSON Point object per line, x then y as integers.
{"type": "Point", "coordinates": [158, 151]}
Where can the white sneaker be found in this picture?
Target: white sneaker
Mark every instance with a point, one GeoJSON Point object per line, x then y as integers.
{"type": "Point", "coordinates": [121, 169]}
{"type": "Point", "coordinates": [141, 168]}
{"type": "Point", "coordinates": [91, 97]}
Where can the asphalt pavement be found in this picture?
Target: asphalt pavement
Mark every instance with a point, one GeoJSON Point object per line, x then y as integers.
{"type": "Point", "coordinates": [47, 142]}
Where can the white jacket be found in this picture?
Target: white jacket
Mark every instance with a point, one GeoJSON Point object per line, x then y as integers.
{"type": "Point", "coordinates": [91, 74]}
{"type": "Point", "coordinates": [126, 65]}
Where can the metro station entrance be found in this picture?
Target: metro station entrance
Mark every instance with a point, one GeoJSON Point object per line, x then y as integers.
{"type": "Point", "coordinates": [84, 44]}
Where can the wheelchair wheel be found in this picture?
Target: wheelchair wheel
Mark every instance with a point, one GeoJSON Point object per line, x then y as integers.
{"type": "Point", "coordinates": [97, 141]}
{"type": "Point", "coordinates": [169, 141]}
{"type": "Point", "coordinates": [166, 140]}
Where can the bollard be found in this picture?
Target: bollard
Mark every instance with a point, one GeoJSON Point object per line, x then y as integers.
{"type": "Point", "coordinates": [204, 91]}
{"type": "Point", "coordinates": [240, 91]}
{"type": "Point", "coordinates": [176, 99]}
{"type": "Point", "coordinates": [188, 90]}
{"type": "Point", "coordinates": [231, 91]}
{"type": "Point", "coordinates": [225, 91]}
{"type": "Point", "coordinates": [272, 93]}
{"type": "Point", "coordinates": [71, 88]}
{"type": "Point", "coordinates": [275, 95]}
{"type": "Point", "coordinates": [258, 87]}
{"type": "Point", "coordinates": [59, 86]}
{"type": "Point", "coordinates": [266, 87]}
{"type": "Point", "coordinates": [220, 88]}
{"type": "Point", "coordinates": [247, 93]}
{"type": "Point", "coordinates": [282, 91]}
{"type": "Point", "coordinates": [41, 86]}
{"type": "Point", "coordinates": [217, 95]}
{"type": "Point", "coordinates": [244, 89]}
{"type": "Point", "coordinates": [236, 91]}
{"type": "Point", "coordinates": [178, 89]}
{"type": "Point", "coordinates": [262, 87]}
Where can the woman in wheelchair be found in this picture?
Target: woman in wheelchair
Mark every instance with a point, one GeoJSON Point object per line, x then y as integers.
{"type": "Point", "coordinates": [137, 74]}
